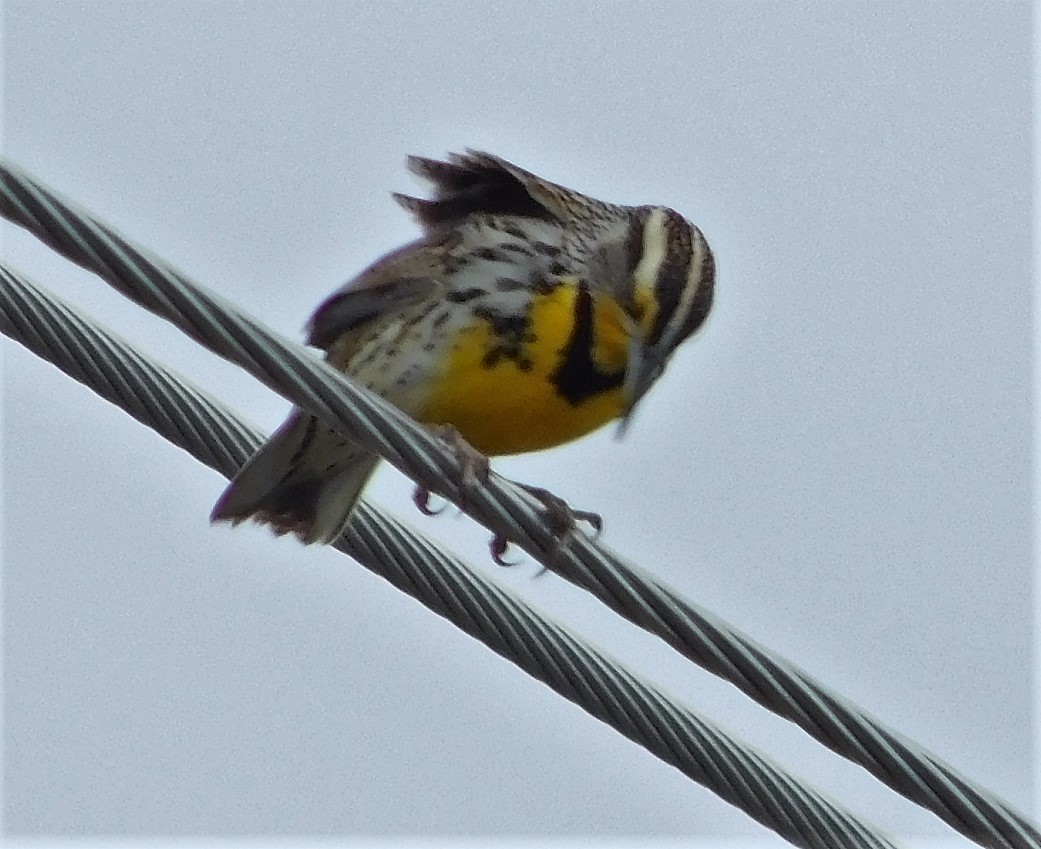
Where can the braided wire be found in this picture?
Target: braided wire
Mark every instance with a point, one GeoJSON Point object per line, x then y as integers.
{"type": "Point", "coordinates": [698, 634]}
{"type": "Point", "coordinates": [548, 651]}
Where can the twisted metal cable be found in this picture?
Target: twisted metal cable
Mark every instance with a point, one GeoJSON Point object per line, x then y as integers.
{"type": "Point", "coordinates": [698, 634]}
{"type": "Point", "coordinates": [194, 421]}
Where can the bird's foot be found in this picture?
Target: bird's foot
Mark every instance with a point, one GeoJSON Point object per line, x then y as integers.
{"type": "Point", "coordinates": [474, 469]}
{"type": "Point", "coordinates": [560, 516]}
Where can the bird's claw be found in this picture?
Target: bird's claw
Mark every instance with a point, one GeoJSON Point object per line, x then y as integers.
{"type": "Point", "coordinates": [560, 516]}
{"type": "Point", "coordinates": [473, 472]}
{"type": "Point", "coordinates": [498, 547]}
{"type": "Point", "coordinates": [421, 498]}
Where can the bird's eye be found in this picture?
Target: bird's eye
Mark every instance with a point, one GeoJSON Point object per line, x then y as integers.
{"type": "Point", "coordinates": [636, 311]}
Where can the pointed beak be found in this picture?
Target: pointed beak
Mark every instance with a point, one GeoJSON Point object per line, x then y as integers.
{"type": "Point", "coordinates": [645, 366]}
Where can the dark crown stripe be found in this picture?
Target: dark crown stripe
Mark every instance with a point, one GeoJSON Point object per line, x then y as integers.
{"type": "Point", "coordinates": [634, 239]}
{"type": "Point", "coordinates": [704, 278]}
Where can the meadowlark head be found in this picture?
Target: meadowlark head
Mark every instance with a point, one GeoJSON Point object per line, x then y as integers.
{"type": "Point", "coordinates": [667, 293]}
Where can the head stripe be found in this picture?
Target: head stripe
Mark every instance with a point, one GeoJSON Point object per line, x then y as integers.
{"type": "Point", "coordinates": [655, 243]}
{"type": "Point", "coordinates": [672, 271]}
{"type": "Point", "coordinates": [695, 299]}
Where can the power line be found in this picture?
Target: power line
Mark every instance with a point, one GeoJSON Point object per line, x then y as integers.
{"type": "Point", "coordinates": [698, 634]}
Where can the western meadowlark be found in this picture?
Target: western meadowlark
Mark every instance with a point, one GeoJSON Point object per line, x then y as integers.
{"type": "Point", "coordinates": [526, 316]}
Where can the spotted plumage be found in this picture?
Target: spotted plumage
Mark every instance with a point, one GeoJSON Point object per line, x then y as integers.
{"type": "Point", "coordinates": [526, 315]}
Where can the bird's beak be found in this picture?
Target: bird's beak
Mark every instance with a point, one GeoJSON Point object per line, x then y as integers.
{"type": "Point", "coordinates": [644, 367]}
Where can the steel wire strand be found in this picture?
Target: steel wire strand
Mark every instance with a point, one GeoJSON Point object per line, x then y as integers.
{"type": "Point", "coordinates": [548, 651]}
{"type": "Point", "coordinates": [698, 634]}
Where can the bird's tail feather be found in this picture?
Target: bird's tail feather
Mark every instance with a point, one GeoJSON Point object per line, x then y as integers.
{"type": "Point", "coordinates": [305, 480]}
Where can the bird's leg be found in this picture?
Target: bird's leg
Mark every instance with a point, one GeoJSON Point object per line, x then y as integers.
{"type": "Point", "coordinates": [561, 516]}
{"type": "Point", "coordinates": [474, 469]}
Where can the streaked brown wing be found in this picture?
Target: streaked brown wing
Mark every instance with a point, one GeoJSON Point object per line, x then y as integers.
{"type": "Point", "coordinates": [401, 279]}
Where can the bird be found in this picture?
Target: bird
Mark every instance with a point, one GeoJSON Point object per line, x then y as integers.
{"type": "Point", "coordinates": [525, 316]}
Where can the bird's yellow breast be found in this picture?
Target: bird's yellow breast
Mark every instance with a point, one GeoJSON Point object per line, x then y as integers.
{"type": "Point", "coordinates": [511, 384]}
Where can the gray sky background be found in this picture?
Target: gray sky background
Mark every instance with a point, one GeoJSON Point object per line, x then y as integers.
{"type": "Point", "coordinates": [839, 465]}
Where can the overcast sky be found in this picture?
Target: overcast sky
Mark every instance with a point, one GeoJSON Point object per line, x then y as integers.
{"type": "Point", "coordinates": [839, 465]}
